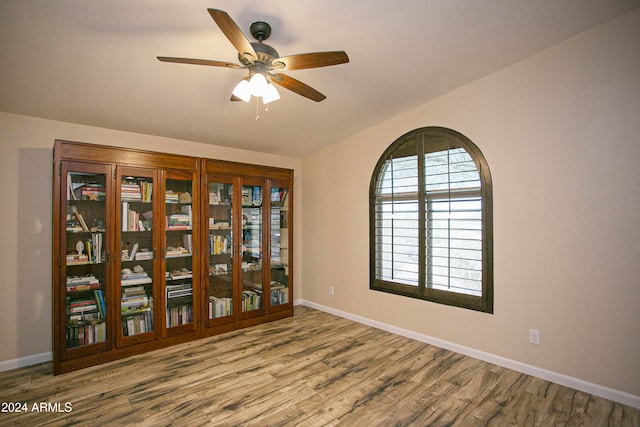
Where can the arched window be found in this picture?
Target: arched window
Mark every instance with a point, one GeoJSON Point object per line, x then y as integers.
{"type": "Point", "coordinates": [431, 230]}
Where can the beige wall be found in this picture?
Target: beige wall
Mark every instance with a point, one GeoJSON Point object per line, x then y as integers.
{"type": "Point", "coordinates": [26, 157]}
{"type": "Point", "coordinates": [561, 134]}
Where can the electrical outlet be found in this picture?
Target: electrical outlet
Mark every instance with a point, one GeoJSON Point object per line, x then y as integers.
{"type": "Point", "coordinates": [331, 290]}
{"type": "Point", "coordinates": [534, 336]}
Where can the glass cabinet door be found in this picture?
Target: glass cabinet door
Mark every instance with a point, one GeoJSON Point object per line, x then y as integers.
{"type": "Point", "coordinates": [178, 250]}
{"type": "Point", "coordinates": [279, 246]}
{"type": "Point", "coordinates": [86, 256]}
{"type": "Point", "coordinates": [138, 251]}
{"type": "Point", "coordinates": [220, 249]}
{"type": "Point", "coordinates": [252, 217]}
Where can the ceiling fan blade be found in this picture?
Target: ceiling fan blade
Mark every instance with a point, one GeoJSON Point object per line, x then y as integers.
{"type": "Point", "coordinates": [234, 34]}
{"type": "Point", "coordinates": [199, 62]}
{"type": "Point", "coordinates": [312, 60]}
{"type": "Point", "coordinates": [297, 86]}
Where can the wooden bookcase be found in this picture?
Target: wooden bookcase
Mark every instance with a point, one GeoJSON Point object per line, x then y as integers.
{"type": "Point", "coordinates": [152, 249]}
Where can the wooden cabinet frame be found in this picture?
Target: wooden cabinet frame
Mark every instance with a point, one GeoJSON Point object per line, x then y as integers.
{"type": "Point", "coordinates": [113, 163]}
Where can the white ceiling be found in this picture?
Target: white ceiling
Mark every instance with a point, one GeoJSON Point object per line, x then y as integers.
{"type": "Point", "coordinates": [94, 61]}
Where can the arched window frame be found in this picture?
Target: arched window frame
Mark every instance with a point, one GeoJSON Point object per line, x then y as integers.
{"type": "Point", "coordinates": [429, 140]}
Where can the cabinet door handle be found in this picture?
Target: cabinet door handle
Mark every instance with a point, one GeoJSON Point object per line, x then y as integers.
{"type": "Point", "coordinates": [164, 253]}
{"type": "Point", "coordinates": [155, 253]}
{"type": "Point", "coordinates": [107, 256]}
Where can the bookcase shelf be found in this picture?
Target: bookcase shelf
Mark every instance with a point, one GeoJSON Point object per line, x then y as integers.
{"type": "Point", "coordinates": [151, 250]}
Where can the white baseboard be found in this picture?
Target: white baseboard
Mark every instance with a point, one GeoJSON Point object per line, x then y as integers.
{"type": "Point", "coordinates": [564, 380]}
{"type": "Point", "coordinates": [21, 362]}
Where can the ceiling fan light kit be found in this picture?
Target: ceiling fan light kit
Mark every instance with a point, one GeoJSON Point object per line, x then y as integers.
{"type": "Point", "coordinates": [260, 60]}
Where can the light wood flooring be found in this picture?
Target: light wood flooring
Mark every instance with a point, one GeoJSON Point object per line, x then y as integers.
{"type": "Point", "coordinates": [313, 369]}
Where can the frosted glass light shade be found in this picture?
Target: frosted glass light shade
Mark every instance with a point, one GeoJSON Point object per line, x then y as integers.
{"type": "Point", "coordinates": [258, 84]}
{"type": "Point", "coordinates": [243, 90]}
{"type": "Point", "coordinates": [270, 94]}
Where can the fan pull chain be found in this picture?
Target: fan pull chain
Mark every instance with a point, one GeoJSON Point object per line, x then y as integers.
{"type": "Point", "coordinates": [266, 108]}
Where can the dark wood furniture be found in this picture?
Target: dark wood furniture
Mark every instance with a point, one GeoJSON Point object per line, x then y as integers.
{"type": "Point", "coordinates": [152, 249]}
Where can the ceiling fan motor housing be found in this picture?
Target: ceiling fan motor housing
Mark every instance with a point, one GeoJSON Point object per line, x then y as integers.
{"type": "Point", "coordinates": [260, 30]}
{"type": "Point", "coordinates": [266, 54]}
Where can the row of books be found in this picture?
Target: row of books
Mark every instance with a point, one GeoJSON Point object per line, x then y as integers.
{"type": "Point", "coordinates": [251, 300]}
{"type": "Point", "coordinates": [219, 245]}
{"type": "Point", "coordinates": [220, 307]}
{"type": "Point", "coordinates": [137, 322]}
{"type": "Point", "coordinates": [132, 220]}
{"type": "Point", "coordinates": [180, 315]}
{"type": "Point", "coordinates": [136, 191]}
{"type": "Point", "coordinates": [85, 332]}
{"type": "Point", "coordinates": [279, 294]}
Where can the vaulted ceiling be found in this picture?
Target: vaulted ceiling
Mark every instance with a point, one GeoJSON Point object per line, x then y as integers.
{"type": "Point", "coordinates": [94, 62]}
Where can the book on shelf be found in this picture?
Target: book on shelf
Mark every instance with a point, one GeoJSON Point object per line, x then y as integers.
{"type": "Point", "coordinates": [180, 220]}
{"type": "Point", "coordinates": [134, 301]}
{"type": "Point", "coordinates": [279, 293]}
{"type": "Point", "coordinates": [143, 254]}
{"type": "Point", "coordinates": [177, 291]}
{"type": "Point", "coordinates": [85, 332]}
{"type": "Point", "coordinates": [135, 281]}
{"type": "Point", "coordinates": [76, 259]}
{"type": "Point", "coordinates": [89, 279]}
{"type": "Point", "coordinates": [251, 300]}
{"type": "Point", "coordinates": [220, 307]}
{"type": "Point", "coordinates": [134, 251]}
{"type": "Point", "coordinates": [93, 191]}
{"type": "Point", "coordinates": [132, 220]}
{"type": "Point", "coordinates": [187, 240]}
{"type": "Point", "coordinates": [220, 225]}
{"type": "Point", "coordinates": [129, 277]}
{"type": "Point", "coordinates": [218, 245]}
{"type": "Point", "coordinates": [176, 251]}
{"type": "Point", "coordinates": [139, 323]}
{"type": "Point", "coordinates": [179, 315]}
{"type": "Point", "coordinates": [82, 287]}
{"type": "Point", "coordinates": [218, 269]}
{"type": "Point", "coordinates": [136, 191]}
{"type": "Point", "coordinates": [99, 296]}
{"type": "Point", "coordinates": [247, 196]}
{"type": "Point", "coordinates": [171, 197]}
{"type": "Point", "coordinates": [183, 273]}
{"type": "Point", "coordinates": [81, 220]}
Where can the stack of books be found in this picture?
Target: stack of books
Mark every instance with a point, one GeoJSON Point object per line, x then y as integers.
{"type": "Point", "coordinates": [82, 283]}
{"type": "Point", "coordinates": [135, 278]}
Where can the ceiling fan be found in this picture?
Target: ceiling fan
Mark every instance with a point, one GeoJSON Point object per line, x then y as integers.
{"type": "Point", "coordinates": [263, 62]}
